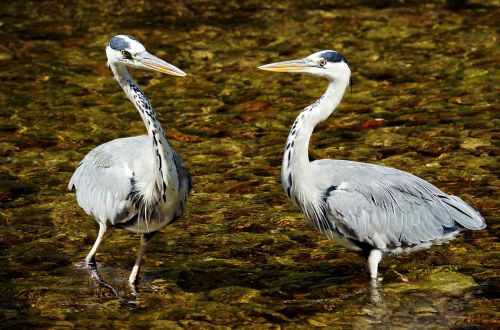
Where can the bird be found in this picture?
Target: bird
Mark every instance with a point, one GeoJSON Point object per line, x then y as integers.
{"type": "Point", "coordinates": [368, 208]}
{"type": "Point", "coordinates": [138, 183]}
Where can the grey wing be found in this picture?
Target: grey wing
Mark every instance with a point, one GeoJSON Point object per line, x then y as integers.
{"type": "Point", "coordinates": [385, 207]}
{"type": "Point", "coordinates": [104, 179]}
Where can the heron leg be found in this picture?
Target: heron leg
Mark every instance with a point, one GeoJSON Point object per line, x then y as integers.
{"type": "Point", "coordinates": [373, 259]}
{"type": "Point", "coordinates": [90, 262]}
{"type": "Point", "coordinates": [134, 278]}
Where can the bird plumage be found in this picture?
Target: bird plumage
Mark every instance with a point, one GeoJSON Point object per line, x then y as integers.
{"type": "Point", "coordinates": [388, 208]}
{"type": "Point", "coordinates": [136, 183]}
{"type": "Point", "coordinates": [115, 185]}
{"type": "Point", "coordinates": [365, 207]}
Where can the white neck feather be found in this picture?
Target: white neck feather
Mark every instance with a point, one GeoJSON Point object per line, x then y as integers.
{"type": "Point", "coordinates": [163, 153]}
{"type": "Point", "coordinates": [295, 171]}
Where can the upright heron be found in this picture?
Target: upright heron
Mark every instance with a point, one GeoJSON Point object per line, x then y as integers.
{"type": "Point", "coordinates": [136, 183]}
{"type": "Point", "coordinates": [368, 208]}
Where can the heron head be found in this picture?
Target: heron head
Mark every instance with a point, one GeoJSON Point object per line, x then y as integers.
{"type": "Point", "coordinates": [326, 63]}
{"type": "Point", "coordinates": [129, 51]}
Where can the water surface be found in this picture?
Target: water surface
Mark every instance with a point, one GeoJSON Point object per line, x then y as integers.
{"type": "Point", "coordinates": [424, 100]}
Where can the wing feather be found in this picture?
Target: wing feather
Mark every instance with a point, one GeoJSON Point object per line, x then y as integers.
{"type": "Point", "coordinates": [104, 178]}
{"type": "Point", "coordinates": [387, 207]}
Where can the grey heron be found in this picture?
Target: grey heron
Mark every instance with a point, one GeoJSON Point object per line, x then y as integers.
{"type": "Point", "coordinates": [136, 183]}
{"type": "Point", "coordinates": [368, 208]}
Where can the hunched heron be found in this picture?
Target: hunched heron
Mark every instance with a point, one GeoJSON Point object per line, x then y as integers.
{"type": "Point", "coordinates": [136, 183]}
{"type": "Point", "coordinates": [374, 210]}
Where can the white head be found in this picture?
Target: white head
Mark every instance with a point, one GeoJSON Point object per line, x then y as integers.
{"type": "Point", "coordinates": [127, 50]}
{"type": "Point", "coordinates": [326, 63]}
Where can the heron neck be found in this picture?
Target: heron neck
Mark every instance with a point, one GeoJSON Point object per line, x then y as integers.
{"type": "Point", "coordinates": [163, 153]}
{"type": "Point", "coordinates": [296, 165]}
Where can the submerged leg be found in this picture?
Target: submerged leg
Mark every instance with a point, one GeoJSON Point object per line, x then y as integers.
{"type": "Point", "coordinates": [373, 260]}
{"type": "Point", "coordinates": [90, 259]}
{"type": "Point", "coordinates": [133, 279]}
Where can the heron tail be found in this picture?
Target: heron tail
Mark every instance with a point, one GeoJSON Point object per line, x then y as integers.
{"type": "Point", "coordinates": [463, 213]}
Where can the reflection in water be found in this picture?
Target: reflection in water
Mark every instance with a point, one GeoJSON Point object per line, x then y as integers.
{"type": "Point", "coordinates": [375, 286]}
{"type": "Point", "coordinates": [423, 101]}
{"type": "Point", "coordinates": [94, 274]}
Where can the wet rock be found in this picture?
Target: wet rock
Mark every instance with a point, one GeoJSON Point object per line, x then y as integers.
{"type": "Point", "coordinates": [234, 294]}
{"type": "Point", "coordinates": [474, 143]}
{"type": "Point", "coordinates": [439, 279]}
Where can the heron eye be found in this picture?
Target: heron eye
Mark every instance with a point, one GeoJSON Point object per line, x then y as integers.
{"type": "Point", "coordinates": [322, 62]}
{"type": "Point", "coordinates": [126, 54]}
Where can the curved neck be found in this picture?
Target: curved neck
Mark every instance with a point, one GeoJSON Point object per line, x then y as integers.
{"type": "Point", "coordinates": [164, 160]}
{"type": "Point", "coordinates": [295, 167]}
{"type": "Point", "coordinates": [136, 96]}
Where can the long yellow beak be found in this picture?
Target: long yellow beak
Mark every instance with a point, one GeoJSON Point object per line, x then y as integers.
{"type": "Point", "coordinates": [154, 63]}
{"type": "Point", "coordinates": [300, 65]}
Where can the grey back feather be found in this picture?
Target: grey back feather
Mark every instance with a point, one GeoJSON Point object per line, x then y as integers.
{"type": "Point", "coordinates": [104, 179]}
{"type": "Point", "coordinates": [386, 207]}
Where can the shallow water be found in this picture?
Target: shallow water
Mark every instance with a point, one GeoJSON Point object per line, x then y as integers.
{"type": "Point", "coordinates": [424, 100]}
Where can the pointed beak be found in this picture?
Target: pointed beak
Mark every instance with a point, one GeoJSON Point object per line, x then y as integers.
{"type": "Point", "coordinates": [154, 63]}
{"type": "Point", "coordinates": [300, 65]}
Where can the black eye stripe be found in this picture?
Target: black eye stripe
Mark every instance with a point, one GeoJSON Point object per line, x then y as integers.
{"type": "Point", "coordinates": [126, 54]}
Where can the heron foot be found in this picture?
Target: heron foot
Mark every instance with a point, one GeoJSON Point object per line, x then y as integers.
{"type": "Point", "coordinates": [375, 294]}
{"type": "Point", "coordinates": [94, 274]}
{"type": "Point", "coordinates": [133, 279]}
{"type": "Point", "coordinates": [134, 286]}
{"type": "Point", "coordinates": [92, 269]}
{"type": "Point", "coordinates": [401, 276]}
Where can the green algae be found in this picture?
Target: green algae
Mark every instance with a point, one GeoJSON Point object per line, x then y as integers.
{"type": "Point", "coordinates": [439, 279]}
